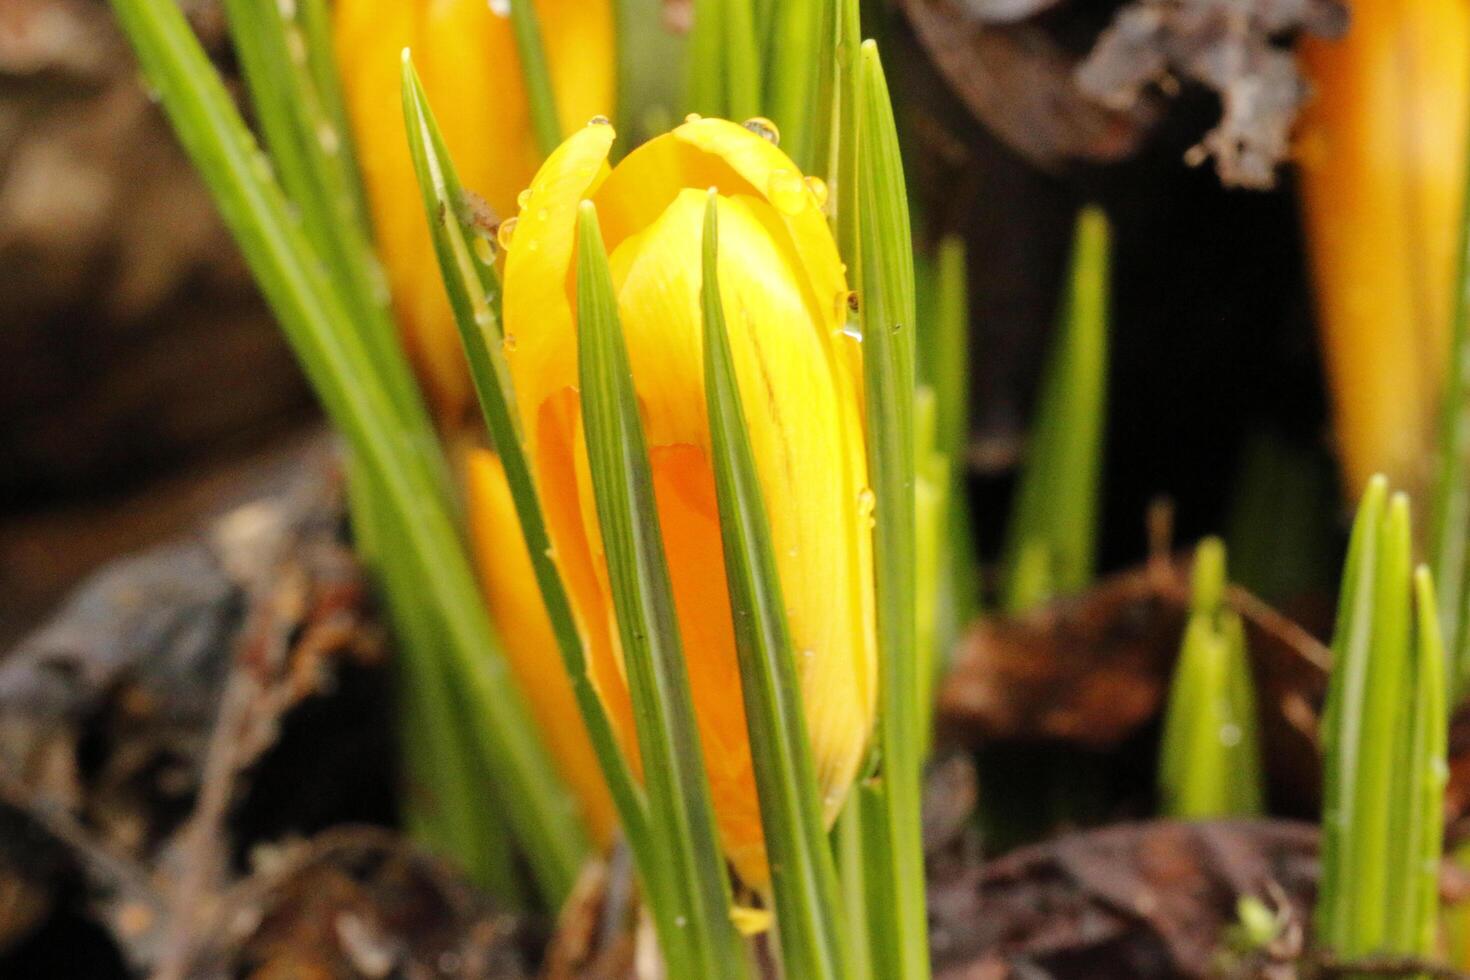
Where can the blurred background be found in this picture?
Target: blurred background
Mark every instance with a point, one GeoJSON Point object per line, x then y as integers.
{"type": "Point", "coordinates": [142, 383]}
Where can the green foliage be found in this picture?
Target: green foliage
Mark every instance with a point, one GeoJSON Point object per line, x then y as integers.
{"type": "Point", "coordinates": [1384, 738]}
{"type": "Point", "coordinates": [1449, 537]}
{"type": "Point", "coordinates": [886, 289]}
{"type": "Point", "coordinates": [1051, 536]}
{"type": "Point", "coordinates": [390, 440]}
{"type": "Point", "coordinates": [695, 931]}
{"type": "Point", "coordinates": [803, 878]}
{"type": "Point", "coordinates": [1210, 763]}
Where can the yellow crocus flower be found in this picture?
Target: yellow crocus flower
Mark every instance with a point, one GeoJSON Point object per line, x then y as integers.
{"type": "Point", "coordinates": [1382, 158]}
{"type": "Point", "coordinates": [520, 619]}
{"type": "Point", "coordinates": [466, 54]}
{"type": "Point", "coordinates": [785, 297]}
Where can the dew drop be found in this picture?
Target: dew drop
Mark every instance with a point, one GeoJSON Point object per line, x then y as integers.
{"type": "Point", "coordinates": [693, 117]}
{"type": "Point", "coordinates": [326, 135]}
{"type": "Point", "coordinates": [1230, 735]}
{"type": "Point", "coordinates": [523, 198]}
{"type": "Point", "coordinates": [851, 330]}
{"type": "Point", "coordinates": [818, 187]}
{"type": "Point", "coordinates": [867, 500]}
{"type": "Point", "coordinates": [765, 129]}
{"type": "Point", "coordinates": [484, 250]}
{"type": "Point", "coordinates": [506, 232]}
{"type": "Point", "coordinates": [787, 191]}
{"type": "Point", "coordinates": [500, 8]}
{"type": "Point", "coordinates": [287, 9]}
{"type": "Point", "coordinates": [599, 121]}
{"type": "Point", "coordinates": [680, 921]}
{"type": "Point", "coordinates": [808, 654]}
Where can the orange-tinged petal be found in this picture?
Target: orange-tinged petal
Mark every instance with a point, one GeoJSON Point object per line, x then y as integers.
{"type": "Point", "coordinates": [785, 296]}
{"type": "Point", "coordinates": [805, 431]}
{"type": "Point", "coordinates": [1382, 156]}
{"type": "Point", "coordinates": [520, 618]}
{"type": "Point", "coordinates": [466, 56]}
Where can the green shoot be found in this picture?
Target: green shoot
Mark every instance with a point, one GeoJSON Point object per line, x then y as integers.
{"type": "Point", "coordinates": [1210, 764]}
{"type": "Point", "coordinates": [1051, 538]}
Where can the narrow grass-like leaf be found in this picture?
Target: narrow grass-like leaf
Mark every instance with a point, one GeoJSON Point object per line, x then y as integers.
{"type": "Point", "coordinates": [852, 865]}
{"type": "Point", "coordinates": [725, 60]}
{"type": "Point", "coordinates": [1052, 532]}
{"type": "Point", "coordinates": [680, 808]}
{"type": "Point", "coordinates": [799, 83]}
{"type": "Point", "coordinates": [651, 76]}
{"type": "Point", "coordinates": [1210, 763]}
{"type": "Point", "coordinates": [1342, 722]}
{"type": "Point", "coordinates": [931, 508]}
{"type": "Point", "coordinates": [304, 129]}
{"type": "Point", "coordinates": [847, 126]}
{"type": "Point", "coordinates": [948, 362]}
{"type": "Point", "coordinates": [886, 291]}
{"type": "Point", "coordinates": [319, 326]}
{"type": "Point", "coordinates": [546, 121]}
{"type": "Point", "coordinates": [803, 878]}
{"type": "Point", "coordinates": [1416, 844]}
{"type": "Point", "coordinates": [439, 799]}
{"type": "Point", "coordinates": [1381, 815]}
{"type": "Point", "coordinates": [1449, 537]}
{"type": "Point", "coordinates": [467, 264]}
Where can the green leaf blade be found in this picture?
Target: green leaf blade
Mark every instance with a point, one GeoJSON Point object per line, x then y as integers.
{"type": "Point", "coordinates": [1054, 520]}
{"type": "Point", "coordinates": [804, 879]}
{"type": "Point", "coordinates": [468, 270]}
{"type": "Point", "coordinates": [886, 291]}
{"type": "Point", "coordinates": [293, 277]}
{"type": "Point", "coordinates": [680, 807]}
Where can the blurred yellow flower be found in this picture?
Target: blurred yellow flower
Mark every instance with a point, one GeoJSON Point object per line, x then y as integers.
{"type": "Point", "coordinates": [520, 619]}
{"type": "Point", "coordinates": [466, 55]}
{"type": "Point", "coordinates": [1382, 153]}
{"type": "Point", "coordinates": [786, 298]}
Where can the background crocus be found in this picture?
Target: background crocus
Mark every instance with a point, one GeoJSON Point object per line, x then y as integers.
{"type": "Point", "coordinates": [786, 303]}
{"type": "Point", "coordinates": [466, 55]}
{"type": "Point", "coordinates": [1382, 155]}
{"type": "Point", "coordinates": [520, 618]}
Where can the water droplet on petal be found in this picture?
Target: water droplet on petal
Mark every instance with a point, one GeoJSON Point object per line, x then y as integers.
{"type": "Point", "coordinates": [506, 232]}
{"type": "Point", "coordinates": [787, 191]}
{"type": "Point", "coordinates": [867, 500]}
{"type": "Point", "coordinates": [599, 121]}
{"type": "Point", "coordinates": [287, 9]}
{"type": "Point", "coordinates": [1230, 735]}
{"type": "Point", "coordinates": [523, 198]}
{"type": "Point", "coordinates": [693, 117]}
{"type": "Point", "coordinates": [764, 128]}
{"type": "Point", "coordinates": [818, 187]}
{"type": "Point", "coordinates": [500, 8]}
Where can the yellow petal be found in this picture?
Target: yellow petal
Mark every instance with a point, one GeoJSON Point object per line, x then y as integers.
{"type": "Point", "coordinates": [520, 618]}
{"type": "Point", "coordinates": [467, 58]}
{"type": "Point", "coordinates": [785, 297]}
{"type": "Point", "coordinates": [539, 293]}
{"type": "Point", "coordinates": [1382, 156]}
{"type": "Point", "coordinates": [807, 442]}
